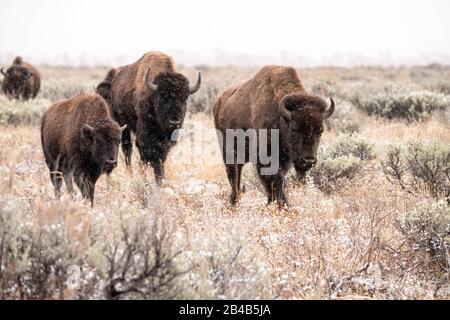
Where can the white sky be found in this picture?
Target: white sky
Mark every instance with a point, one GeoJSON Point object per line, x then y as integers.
{"type": "Point", "coordinates": [229, 31]}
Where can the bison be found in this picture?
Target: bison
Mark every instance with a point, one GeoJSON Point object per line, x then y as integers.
{"type": "Point", "coordinates": [80, 141]}
{"type": "Point", "coordinates": [22, 80]}
{"type": "Point", "coordinates": [150, 97]}
{"type": "Point", "coordinates": [274, 99]}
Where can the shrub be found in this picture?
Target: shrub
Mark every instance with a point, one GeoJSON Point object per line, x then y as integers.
{"type": "Point", "coordinates": [142, 263]}
{"type": "Point", "coordinates": [347, 144]}
{"type": "Point", "coordinates": [331, 174]}
{"type": "Point", "coordinates": [64, 252]}
{"type": "Point", "coordinates": [411, 106]}
{"type": "Point", "coordinates": [56, 90]}
{"type": "Point", "coordinates": [226, 267]}
{"type": "Point", "coordinates": [426, 230]}
{"type": "Point", "coordinates": [14, 112]}
{"type": "Point", "coordinates": [204, 100]}
{"type": "Point", "coordinates": [327, 88]}
{"type": "Point", "coordinates": [344, 118]}
{"type": "Point", "coordinates": [440, 86]}
{"type": "Point", "coordinates": [420, 167]}
{"type": "Point", "coordinates": [35, 255]}
{"type": "Point", "coordinates": [341, 162]}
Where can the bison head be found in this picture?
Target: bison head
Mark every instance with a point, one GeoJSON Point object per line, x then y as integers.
{"type": "Point", "coordinates": [103, 143]}
{"type": "Point", "coordinates": [17, 74]}
{"type": "Point", "coordinates": [170, 92]}
{"type": "Point", "coordinates": [304, 116]}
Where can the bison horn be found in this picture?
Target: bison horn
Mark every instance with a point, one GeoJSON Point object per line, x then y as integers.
{"type": "Point", "coordinates": [285, 113]}
{"type": "Point", "coordinates": [148, 80]}
{"type": "Point", "coordinates": [195, 88]}
{"type": "Point", "coordinates": [330, 110]}
{"type": "Point", "coordinates": [3, 71]}
{"type": "Point", "coordinates": [123, 127]}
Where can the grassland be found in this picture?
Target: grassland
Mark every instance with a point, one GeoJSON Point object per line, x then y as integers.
{"type": "Point", "coordinates": [349, 242]}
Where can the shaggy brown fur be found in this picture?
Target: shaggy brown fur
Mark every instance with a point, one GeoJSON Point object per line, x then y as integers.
{"type": "Point", "coordinates": [256, 104]}
{"type": "Point", "coordinates": [150, 97]}
{"type": "Point", "coordinates": [22, 80]}
{"type": "Point", "coordinates": [81, 141]}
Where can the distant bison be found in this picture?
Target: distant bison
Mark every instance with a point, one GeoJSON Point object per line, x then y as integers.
{"type": "Point", "coordinates": [104, 87]}
{"type": "Point", "coordinates": [274, 98]}
{"type": "Point", "coordinates": [150, 97]}
{"type": "Point", "coordinates": [81, 141]}
{"type": "Point", "coordinates": [22, 80]}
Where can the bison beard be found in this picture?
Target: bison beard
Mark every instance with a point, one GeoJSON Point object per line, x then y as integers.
{"type": "Point", "coordinates": [21, 80]}
{"type": "Point", "coordinates": [274, 99]}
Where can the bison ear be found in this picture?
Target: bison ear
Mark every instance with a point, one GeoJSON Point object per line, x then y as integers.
{"type": "Point", "coordinates": [87, 131]}
{"type": "Point", "coordinates": [105, 85]}
{"type": "Point", "coordinates": [123, 127]}
{"type": "Point", "coordinates": [104, 89]}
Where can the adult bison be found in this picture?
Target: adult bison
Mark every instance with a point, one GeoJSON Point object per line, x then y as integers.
{"type": "Point", "coordinates": [21, 80]}
{"type": "Point", "coordinates": [80, 141]}
{"type": "Point", "coordinates": [274, 99]}
{"type": "Point", "coordinates": [150, 97]}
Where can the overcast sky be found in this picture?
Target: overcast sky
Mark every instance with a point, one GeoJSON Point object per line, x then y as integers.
{"type": "Point", "coordinates": [229, 31]}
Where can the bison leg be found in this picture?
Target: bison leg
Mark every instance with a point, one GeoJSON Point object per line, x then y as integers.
{"type": "Point", "coordinates": [234, 177]}
{"type": "Point", "coordinates": [127, 146]}
{"type": "Point", "coordinates": [68, 178]}
{"type": "Point", "coordinates": [158, 169]}
{"type": "Point", "coordinates": [55, 175]}
{"type": "Point", "coordinates": [275, 186]}
{"type": "Point", "coordinates": [57, 182]}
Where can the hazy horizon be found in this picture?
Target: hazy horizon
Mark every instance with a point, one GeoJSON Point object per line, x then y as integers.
{"type": "Point", "coordinates": [301, 33]}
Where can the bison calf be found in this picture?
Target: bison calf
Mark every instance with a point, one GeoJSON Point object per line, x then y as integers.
{"type": "Point", "coordinates": [273, 101]}
{"type": "Point", "coordinates": [80, 141]}
{"type": "Point", "coordinates": [22, 80]}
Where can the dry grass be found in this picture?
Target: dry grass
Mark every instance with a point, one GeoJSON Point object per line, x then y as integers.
{"type": "Point", "coordinates": [341, 245]}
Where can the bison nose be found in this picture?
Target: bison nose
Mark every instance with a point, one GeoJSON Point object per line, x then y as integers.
{"type": "Point", "coordinates": [309, 161]}
{"type": "Point", "coordinates": [174, 122]}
